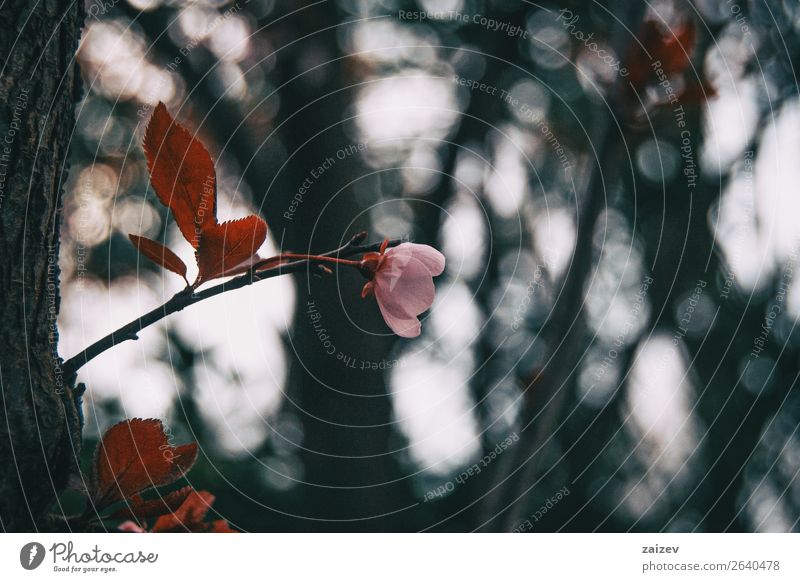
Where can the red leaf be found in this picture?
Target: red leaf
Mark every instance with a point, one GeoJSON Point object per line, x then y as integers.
{"type": "Point", "coordinates": [138, 508]}
{"type": "Point", "coordinates": [182, 174]}
{"type": "Point", "coordinates": [671, 47]}
{"type": "Point", "coordinates": [224, 247]}
{"type": "Point", "coordinates": [159, 254]}
{"type": "Point", "coordinates": [135, 455]}
{"type": "Point", "coordinates": [674, 48]}
{"type": "Point", "coordinates": [190, 515]}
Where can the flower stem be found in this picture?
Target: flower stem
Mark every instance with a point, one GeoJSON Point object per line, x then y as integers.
{"type": "Point", "coordinates": [318, 258]}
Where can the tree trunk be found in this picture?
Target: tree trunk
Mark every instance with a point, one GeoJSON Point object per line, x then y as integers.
{"type": "Point", "coordinates": [350, 481]}
{"type": "Point", "coordinates": [39, 425]}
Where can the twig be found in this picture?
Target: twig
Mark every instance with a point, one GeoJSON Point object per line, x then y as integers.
{"type": "Point", "coordinates": [188, 296]}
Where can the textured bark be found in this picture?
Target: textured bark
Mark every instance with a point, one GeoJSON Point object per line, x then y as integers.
{"type": "Point", "coordinates": [39, 424]}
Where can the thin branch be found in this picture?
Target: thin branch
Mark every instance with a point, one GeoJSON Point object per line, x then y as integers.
{"type": "Point", "coordinates": [188, 296]}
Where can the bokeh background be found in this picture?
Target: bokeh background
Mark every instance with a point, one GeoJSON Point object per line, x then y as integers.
{"type": "Point", "coordinates": [681, 411]}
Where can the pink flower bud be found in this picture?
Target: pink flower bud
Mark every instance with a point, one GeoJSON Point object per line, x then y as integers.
{"type": "Point", "coordinates": [403, 285]}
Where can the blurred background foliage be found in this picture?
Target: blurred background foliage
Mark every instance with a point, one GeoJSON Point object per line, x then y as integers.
{"type": "Point", "coordinates": [676, 416]}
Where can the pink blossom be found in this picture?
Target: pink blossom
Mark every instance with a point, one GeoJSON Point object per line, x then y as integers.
{"type": "Point", "coordinates": [402, 280]}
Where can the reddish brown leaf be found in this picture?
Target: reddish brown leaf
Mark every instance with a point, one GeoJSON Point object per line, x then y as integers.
{"type": "Point", "coordinates": [670, 49]}
{"type": "Point", "coordinates": [138, 508]}
{"type": "Point", "coordinates": [224, 247]}
{"type": "Point", "coordinates": [674, 48]}
{"type": "Point", "coordinates": [133, 456]}
{"type": "Point", "coordinates": [190, 515]}
{"type": "Point", "coordinates": [159, 254]}
{"type": "Point", "coordinates": [182, 174]}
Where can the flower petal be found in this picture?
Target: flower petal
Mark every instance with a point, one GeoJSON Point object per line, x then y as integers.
{"type": "Point", "coordinates": [403, 285]}
{"type": "Point", "coordinates": [399, 322]}
{"type": "Point", "coordinates": [410, 287]}
{"type": "Point", "coordinates": [432, 259]}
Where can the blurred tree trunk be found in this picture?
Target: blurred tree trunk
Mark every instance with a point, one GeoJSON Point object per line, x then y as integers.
{"type": "Point", "coordinates": [39, 427]}
{"type": "Point", "coordinates": [351, 481]}
{"type": "Point", "coordinates": [345, 412]}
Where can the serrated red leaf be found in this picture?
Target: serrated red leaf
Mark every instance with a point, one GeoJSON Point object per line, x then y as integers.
{"type": "Point", "coordinates": [224, 247]}
{"type": "Point", "coordinates": [190, 515]}
{"type": "Point", "coordinates": [159, 254]}
{"type": "Point", "coordinates": [182, 174]}
{"type": "Point", "coordinates": [138, 508]}
{"type": "Point", "coordinates": [133, 456]}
